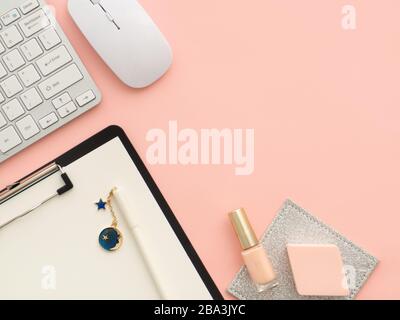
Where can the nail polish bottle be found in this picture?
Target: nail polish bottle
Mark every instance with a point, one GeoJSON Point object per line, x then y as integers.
{"type": "Point", "coordinates": [254, 255]}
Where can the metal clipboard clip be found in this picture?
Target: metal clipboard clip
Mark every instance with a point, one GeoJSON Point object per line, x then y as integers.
{"type": "Point", "coordinates": [20, 186]}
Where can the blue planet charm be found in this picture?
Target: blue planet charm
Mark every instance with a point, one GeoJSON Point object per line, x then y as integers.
{"type": "Point", "coordinates": [110, 239]}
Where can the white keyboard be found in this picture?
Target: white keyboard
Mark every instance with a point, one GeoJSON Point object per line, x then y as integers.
{"type": "Point", "coordinates": [43, 83]}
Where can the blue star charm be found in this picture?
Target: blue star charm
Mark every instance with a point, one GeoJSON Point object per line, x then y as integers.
{"type": "Point", "coordinates": [101, 205]}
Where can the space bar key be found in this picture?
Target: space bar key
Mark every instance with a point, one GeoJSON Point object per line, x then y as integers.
{"type": "Point", "coordinates": [60, 81]}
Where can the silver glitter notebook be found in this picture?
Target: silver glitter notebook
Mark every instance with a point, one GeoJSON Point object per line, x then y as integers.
{"type": "Point", "coordinates": [295, 225]}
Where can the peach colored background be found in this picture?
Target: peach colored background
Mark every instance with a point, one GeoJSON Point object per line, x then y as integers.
{"type": "Point", "coordinates": [324, 104]}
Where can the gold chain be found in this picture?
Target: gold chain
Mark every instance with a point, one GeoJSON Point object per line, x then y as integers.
{"type": "Point", "coordinates": [109, 204]}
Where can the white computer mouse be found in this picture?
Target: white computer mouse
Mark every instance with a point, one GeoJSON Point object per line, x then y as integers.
{"type": "Point", "coordinates": [126, 38]}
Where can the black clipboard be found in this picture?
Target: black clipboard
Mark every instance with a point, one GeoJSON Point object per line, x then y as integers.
{"type": "Point", "coordinates": [90, 145]}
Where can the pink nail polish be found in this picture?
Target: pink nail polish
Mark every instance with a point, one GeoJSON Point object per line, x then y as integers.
{"type": "Point", "coordinates": [254, 255]}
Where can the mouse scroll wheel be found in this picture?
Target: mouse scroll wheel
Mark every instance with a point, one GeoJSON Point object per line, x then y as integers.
{"type": "Point", "coordinates": [109, 17]}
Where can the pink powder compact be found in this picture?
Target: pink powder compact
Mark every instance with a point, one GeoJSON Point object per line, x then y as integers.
{"type": "Point", "coordinates": [318, 270]}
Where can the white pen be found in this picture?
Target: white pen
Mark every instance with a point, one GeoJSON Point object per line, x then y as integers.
{"type": "Point", "coordinates": [141, 242]}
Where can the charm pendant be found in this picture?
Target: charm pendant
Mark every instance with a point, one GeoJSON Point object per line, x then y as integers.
{"type": "Point", "coordinates": [110, 238]}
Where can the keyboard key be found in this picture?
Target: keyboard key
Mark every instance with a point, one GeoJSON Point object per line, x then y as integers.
{"type": "Point", "coordinates": [9, 139]}
{"type": "Point", "coordinates": [11, 36]}
{"type": "Point", "coordinates": [27, 127]}
{"type": "Point", "coordinates": [61, 100]}
{"type": "Point", "coordinates": [34, 23]}
{"type": "Point", "coordinates": [10, 17]}
{"type": "Point", "coordinates": [31, 99]}
{"type": "Point", "coordinates": [31, 50]}
{"type": "Point", "coordinates": [11, 86]}
{"type": "Point", "coordinates": [28, 6]}
{"type": "Point", "coordinates": [54, 60]}
{"type": "Point", "coordinates": [60, 81]}
{"type": "Point", "coordinates": [3, 71]}
{"type": "Point", "coordinates": [48, 120]}
{"type": "Point", "coordinates": [49, 38]}
{"type": "Point", "coordinates": [67, 109]}
{"type": "Point", "coordinates": [29, 75]}
{"type": "Point", "coordinates": [3, 121]}
{"type": "Point", "coordinates": [13, 109]}
{"type": "Point", "coordinates": [85, 98]}
{"type": "Point", "coordinates": [42, 82]}
{"type": "Point", "coordinates": [13, 60]}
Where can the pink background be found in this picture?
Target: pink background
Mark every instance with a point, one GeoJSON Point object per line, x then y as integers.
{"type": "Point", "coordinates": [324, 104]}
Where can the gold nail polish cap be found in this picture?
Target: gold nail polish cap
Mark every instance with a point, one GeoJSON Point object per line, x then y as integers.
{"type": "Point", "coordinates": [243, 229]}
